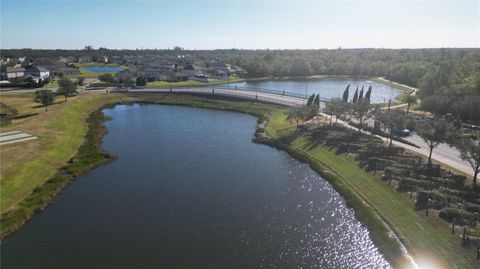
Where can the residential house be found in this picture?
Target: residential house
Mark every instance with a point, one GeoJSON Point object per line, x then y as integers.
{"type": "Point", "coordinates": [102, 59]}
{"type": "Point", "coordinates": [85, 59]}
{"type": "Point", "coordinates": [67, 71]}
{"type": "Point", "coordinates": [218, 69]}
{"type": "Point", "coordinates": [173, 77]}
{"type": "Point", "coordinates": [129, 74]}
{"type": "Point", "coordinates": [68, 60]}
{"type": "Point", "coordinates": [192, 70]}
{"type": "Point", "coordinates": [38, 72]}
{"type": "Point", "coordinates": [116, 60]}
{"type": "Point", "coordinates": [12, 72]}
{"type": "Point", "coordinates": [4, 60]}
{"type": "Point", "coordinates": [150, 73]}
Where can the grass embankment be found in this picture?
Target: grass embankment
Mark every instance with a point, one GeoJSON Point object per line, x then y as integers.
{"type": "Point", "coordinates": [87, 157]}
{"type": "Point", "coordinates": [428, 239]}
{"type": "Point", "coordinates": [190, 83]}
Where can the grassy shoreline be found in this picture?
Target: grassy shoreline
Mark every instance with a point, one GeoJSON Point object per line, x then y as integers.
{"type": "Point", "coordinates": [87, 158]}
{"type": "Point", "coordinates": [357, 193]}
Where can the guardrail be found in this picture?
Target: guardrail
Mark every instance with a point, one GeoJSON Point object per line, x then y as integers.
{"type": "Point", "coordinates": [265, 90]}
{"type": "Point", "coordinates": [221, 92]}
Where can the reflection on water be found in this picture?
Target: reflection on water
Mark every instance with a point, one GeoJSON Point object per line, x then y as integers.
{"type": "Point", "coordinates": [190, 190]}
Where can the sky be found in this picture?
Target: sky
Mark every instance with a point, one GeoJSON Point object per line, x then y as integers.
{"type": "Point", "coordinates": [131, 24]}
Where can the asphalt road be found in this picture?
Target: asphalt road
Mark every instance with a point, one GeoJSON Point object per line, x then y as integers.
{"type": "Point", "coordinates": [443, 153]}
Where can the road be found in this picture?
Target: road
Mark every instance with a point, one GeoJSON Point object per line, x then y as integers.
{"type": "Point", "coordinates": [443, 153]}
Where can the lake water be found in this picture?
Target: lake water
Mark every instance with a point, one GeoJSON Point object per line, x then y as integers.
{"type": "Point", "coordinates": [191, 190]}
{"type": "Point", "coordinates": [327, 88]}
{"type": "Point", "coordinates": [102, 69]}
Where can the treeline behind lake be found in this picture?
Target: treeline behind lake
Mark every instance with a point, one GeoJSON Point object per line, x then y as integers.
{"type": "Point", "coordinates": [448, 79]}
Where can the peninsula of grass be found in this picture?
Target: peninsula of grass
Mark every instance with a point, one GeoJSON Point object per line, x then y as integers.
{"type": "Point", "coordinates": [31, 180]}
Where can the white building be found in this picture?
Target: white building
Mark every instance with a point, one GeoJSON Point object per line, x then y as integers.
{"type": "Point", "coordinates": [38, 72]}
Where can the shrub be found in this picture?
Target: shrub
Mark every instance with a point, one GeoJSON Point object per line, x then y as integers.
{"type": "Point", "coordinates": [462, 217]}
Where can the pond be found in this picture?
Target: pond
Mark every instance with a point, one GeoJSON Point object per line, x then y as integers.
{"type": "Point", "coordinates": [102, 69]}
{"type": "Point", "coordinates": [191, 190]}
{"type": "Point", "coordinates": [327, 88]}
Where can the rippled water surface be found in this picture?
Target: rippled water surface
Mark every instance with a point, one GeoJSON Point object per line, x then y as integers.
{"type": "Point", "coordinates": [327, 88]}
{"type": "Point", "coordinates": [190, 190]}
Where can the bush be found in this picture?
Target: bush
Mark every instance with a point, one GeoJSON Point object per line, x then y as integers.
{"type": "Point", "coordinates": [462, 217]}
{"type": "Point", "coordinates": [393, 171]}
{"type": "Point", "coordinates": [408, 184]}
{"type": "Point", "coordinates": [375, 163]}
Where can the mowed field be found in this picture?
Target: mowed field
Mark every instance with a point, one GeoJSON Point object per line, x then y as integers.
{"type": "Point", "coordinates": [61, 130]}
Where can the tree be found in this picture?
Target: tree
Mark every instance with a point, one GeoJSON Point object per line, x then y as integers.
{"type": "Point", "coordinates": [470, 152]}
{"type": "Point", "coordinates": [141, 81]}
{"type": "Point", "coordinates": [360, 96]}
{"type": "Point", "coordinates": [359, 111]}
{"type": "Point", "coordinates": [310, 100]}
{"type": "Point", "coordinates": [434, 132]}
{"type": "Point", "coordinates": [335, 107]}
{"type": "Point", "coordinates": [301, 112]}
{"type": "Point", "coordinates": [316, 104]}
{"type": "Point", "coordinates": [411, 99]}
{"type": "Point", "coordinates": [345, 94]}
{"type": "Point", "coordinates": [80, 81]}
{"type": "Point", "coordinates": [107, 78]}
{"type": "Point", "coordinates": [355, 96]}
{"type": "Point", "coordinates": [368, 94]}
{"type": "Point", "coordinates": [392, 120]}
{"type": "Point", "coordinates": [66, 87]}
{"type": "Point", "coordinates": [45, 97]}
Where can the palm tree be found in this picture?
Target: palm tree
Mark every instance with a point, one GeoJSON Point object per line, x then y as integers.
{"type": "Point", "coordinates": [411, 99]}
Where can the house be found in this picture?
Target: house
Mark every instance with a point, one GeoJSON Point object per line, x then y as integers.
{"type": "Point", "coordinates": [102, 59]}
{"type": "Point", "coordinates": [229, 69]}
{"type": "Point", "coordinates": [150, 73]}
{"type": "Point", "coordinates": [193, 70]}
{"type": "Point", "coordinates": [68, 60]}
{"type": "Point", "coordinates": [173, 77]}
{"type": "Point", "coordinates": [38, 72]}
{"type": "Point", "coordinates": [116, 60]}
{"type": "Point", "coordinates": [85, 59]}
{"type": "Point", "coordinates": [218, 73]}
{"type": "Point", "coordinates": [12, 72]}
{"type": "Point", "coordinates": [126, 75]}
{"type": "Point", "coordinates": [68, 71]}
